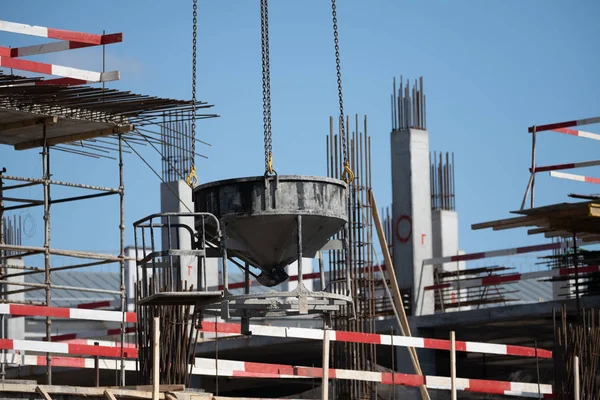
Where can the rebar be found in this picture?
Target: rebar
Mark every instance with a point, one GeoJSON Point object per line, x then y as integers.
{"type": "Point", "coordinates": [580, 338]}
{"type": "Point", "coordinates": [362, 286]}
{"type": "Point", "coordinates": [442, 182]}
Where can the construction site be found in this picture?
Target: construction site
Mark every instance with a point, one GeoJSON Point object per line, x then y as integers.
{"type": "Point", "coordinates": [268, 285]}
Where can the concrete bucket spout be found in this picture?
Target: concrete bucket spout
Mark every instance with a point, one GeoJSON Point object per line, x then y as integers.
{"type": "Point", "coordinates": [260, 218]}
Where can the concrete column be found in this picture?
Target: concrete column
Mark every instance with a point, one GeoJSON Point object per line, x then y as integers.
{"type": "Point", "coordinates": [444, 232]}
{"type": "Point", "coordinates": [411, 211]}
{"type": "Point", "coordinates": [130, 276]}
{"type": "Point", "coordinates": [188, 265]}
{"type": "Point", "coordinates": [171, 203]}
{"type": "Point", "coordinates": [15, 327]}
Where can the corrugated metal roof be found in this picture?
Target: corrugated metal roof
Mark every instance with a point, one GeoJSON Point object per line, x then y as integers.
{"type": "Point", "coordinates": [71, 298]}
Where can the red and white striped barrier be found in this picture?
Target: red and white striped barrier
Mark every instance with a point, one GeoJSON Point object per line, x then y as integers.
{"type": "Point", "coordinates": [574, 177]}
{"type": "Point", "coordinates": [69, 313]}
{"type": "Point", "coordinates": [91, 334]}
{"type": "Point", "coordinates": [566, 124]}
{"type": "Point", "coordinates": [52, 33]}
{"type": "Point", "coordinates": [58, 70]}
{"type": "Point", "coordinates": [54, 47]}
{"type": "Point", "coordinates": [375, 338]}
{"type": "Point", "coordinates": [66, 348]}
{"type": "Point", "coordinates": [582, 134]}
{"type": "Point", "coordinates": [556, 167]}
{"type": "Point", "coordinates": [498, 279]}
{"type": "Point", "coordinates": [67, 362]}
{"type": "Point", "coordinates": [242, 369]}
{"type": "Point", "coordinates": [499, 253]}
{"type": "Point", "coordinates": [107, 343]}
{"type": "Point", "coordinates": [100, 304]}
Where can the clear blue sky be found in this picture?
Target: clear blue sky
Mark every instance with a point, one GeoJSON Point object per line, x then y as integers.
{"type": "Point", "coordinates": [491, 70]}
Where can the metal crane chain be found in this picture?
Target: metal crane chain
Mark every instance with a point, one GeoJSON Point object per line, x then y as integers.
{"type": "Point", "coordinates": [266, 86]}
{"type": "Point", "coordinates": [192, 179]}
{"type": "Point", "coordinates": [347, 175]}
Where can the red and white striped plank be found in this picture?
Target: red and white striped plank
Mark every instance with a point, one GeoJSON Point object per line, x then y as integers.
{"type": "Point", "coordinates": [574, 177]}
{"type": "Point", "coordinates": [66, 348]}
{"type": "Point", "coordinates": [241, 369]}
{"type": "Point", "coordinates": [54, 47]}
{"type": "Point", "coordinates": [58, 70]}
{"type": "Point", "coordinates": [66, 362]}
{"type": "Point", "coordinates": [60, 34]}
{"type": "Point", "coordinates": [574, 132]}
{"type": "Point", "coordinates": [100, 304]}
{"type": "Point", "coordinates": [566, 124]}
{"type": "Point", "coordinates": [68, 313]}
{"type": "Point", "coordinates": [106, 343]}
{"type": "Point", "coordinates": [498, 253]}
{"type": "Point", "coordinates": [375, 338]}
{"type": "Point", "coordinates": [55, 81]}
{"type": "Point", "coordinates": [498, 279]}
{"type": "Point", "coordinates": [91, 334]}
{"type": "Point", "coordinates": [556, 167]}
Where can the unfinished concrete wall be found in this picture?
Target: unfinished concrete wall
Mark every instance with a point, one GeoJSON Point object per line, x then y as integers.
{"type": "Point", "coordinates": [411, 211]}
{"type": "Point", "coordinates": [444, 230]}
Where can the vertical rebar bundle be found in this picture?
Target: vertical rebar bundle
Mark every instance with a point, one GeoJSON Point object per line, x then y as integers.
{"type": "Point", "coordinates": [160, 267]}
{"type": "Point", "coordinates": [579, 338]}
{"type": "Point", "coordinates": [12, 233]}
{"type": "Point", "coordinates": [409, 105]}
{"type": "Point", "coordinates": [442, 181]}
{"type": "Point", "coordinates": [360, 319]}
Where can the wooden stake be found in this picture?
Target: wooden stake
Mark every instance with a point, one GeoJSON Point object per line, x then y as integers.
{"type": "Point", "coordinates": [576, 373]}
{"type": "Point", "coordinates": [396, 291]}
{"type": "Point", "coordinates": [453, 365]}
{"type": "Point", "coordinates": [325, 380]}
{"type": "Point", "coordinates": [155, 360]}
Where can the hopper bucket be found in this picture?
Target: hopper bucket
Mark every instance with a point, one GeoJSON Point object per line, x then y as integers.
{"type": "Point", "coordinates": [260, 217]}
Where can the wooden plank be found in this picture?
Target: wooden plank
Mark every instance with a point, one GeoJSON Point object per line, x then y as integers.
{"type": "Point", "coordinates": [74, 391]}
{"type": "Point", "coordinates": [527, 221]}
{"type": "Point", "coordinates": [43, 393]}
{"type": "Point", "coordinates": [75, 137]}
{"type": "Point", "coordinates": [497, 223]}
{"type": "Point", "coordinates": [161, 388]}
{"type": "Point", "coordinates": [594, 210]}
{"type": "Point", "coordinates": [28, 122]}
{"type": "Point", "coordinates": [325, 368]}
{"type": "Point", "coordinates": [396, 290]}
{"type": "Point", "coordinates": [156, 359]}
{"type": "Point", "coordinates": [108, 394]}
{"type": "Point", "coordinates": [536, 231]}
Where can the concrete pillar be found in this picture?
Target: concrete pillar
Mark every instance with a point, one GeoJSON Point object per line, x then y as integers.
{"type": "Point", "coordinates": [188, 265]}
{"type": "Point", "coordinates": [15, 327]}
{"type": "Point", "coordinates": [411, 211]}
{"type": "Point", "coordinates": [130, 276]}
{"type": "Point", "coordinates": [444, 230]}
{"type": "Point", "coordinates": [177, 197]}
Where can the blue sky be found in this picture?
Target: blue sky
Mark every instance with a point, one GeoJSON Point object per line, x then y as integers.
{"type": "Point", "coordinates": [491, 69]}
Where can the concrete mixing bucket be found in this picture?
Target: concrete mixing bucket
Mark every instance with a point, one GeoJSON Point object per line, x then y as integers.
{"type": "Point", "coordinates": [260, 217]}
